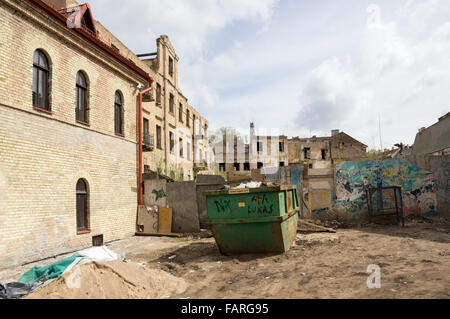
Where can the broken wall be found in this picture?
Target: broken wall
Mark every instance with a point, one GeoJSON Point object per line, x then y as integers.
{"type": "Point", "coordinates": [418, 190]}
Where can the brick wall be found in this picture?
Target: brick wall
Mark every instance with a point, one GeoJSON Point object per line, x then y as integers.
{"type": "Point", "coordinates": [42, 156]}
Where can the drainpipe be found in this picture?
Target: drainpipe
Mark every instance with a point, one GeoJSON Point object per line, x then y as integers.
{"type": "Point", "coordinates": [141, 93]}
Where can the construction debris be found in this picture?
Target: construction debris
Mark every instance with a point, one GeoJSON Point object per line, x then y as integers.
{"type": "Point", "coordinates": [310, 227]}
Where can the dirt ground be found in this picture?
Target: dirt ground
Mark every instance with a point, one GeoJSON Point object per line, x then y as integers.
{"type": "Point", "coordinates": [414, 261]}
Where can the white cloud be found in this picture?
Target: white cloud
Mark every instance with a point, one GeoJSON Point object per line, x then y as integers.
{"type": "Point", "coordinates": [188, 23]}
{"type": "Point", "coordinates": [392, 76]}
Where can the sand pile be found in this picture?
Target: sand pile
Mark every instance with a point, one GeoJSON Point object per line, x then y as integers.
{"type": "Point", "coordinates": [113, 280]}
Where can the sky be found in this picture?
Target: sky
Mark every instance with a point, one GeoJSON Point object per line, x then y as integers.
{"type": "Point", "coordinates": [377, 70]}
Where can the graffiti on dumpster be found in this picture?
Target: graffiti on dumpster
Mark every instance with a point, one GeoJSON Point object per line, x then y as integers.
{"type": "Point", "coordinates": [260, 205]}
{"type": "Point", "coordinates": [222, 205]}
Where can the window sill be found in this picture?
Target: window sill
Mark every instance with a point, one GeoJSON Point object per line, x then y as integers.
{"type": "Point", "coordinates": [42, 110]}
{"type": "Point", "coordinates": [83, 232]}
{"type": "Point", "coordinates": [83, 123]}
{"type": "Point", "coordinates": [120, 134]}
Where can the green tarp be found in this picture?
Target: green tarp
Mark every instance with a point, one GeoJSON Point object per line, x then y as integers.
{"type": "Point", "coordinates": [54, 270]}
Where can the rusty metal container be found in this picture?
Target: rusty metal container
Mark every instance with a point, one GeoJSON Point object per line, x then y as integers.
{"type": "Point", "coordinates": [258, 220]}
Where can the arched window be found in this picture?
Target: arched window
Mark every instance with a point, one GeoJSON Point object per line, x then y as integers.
{"type": "Point", "coordinates": [82, 104]}
{"type": "Point", "coordinates": [82, 206]}
{"type": "Point", "coordinates": [41, 77]}
{"type": "Point", "coordinates": [118, 113]}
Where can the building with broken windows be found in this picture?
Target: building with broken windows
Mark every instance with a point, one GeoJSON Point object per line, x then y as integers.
{"type": "Point", "coordinates": [238, 155]}
{"type": "Point", "coordinates": [178, 144]}
{"type": "Point", "coordinates": [70, 129]}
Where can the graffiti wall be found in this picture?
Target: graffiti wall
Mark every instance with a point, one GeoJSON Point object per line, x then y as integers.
{"type": "Point", "coordinates": [418, 190]}
{"type": "Point", "coordinates": [440, 166]}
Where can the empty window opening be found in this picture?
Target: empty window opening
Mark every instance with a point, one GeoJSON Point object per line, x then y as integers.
{"type": "Point", "coordinates": [158, 94]}
{"type": "Point", "coordinates": [171, 103]}
{"type": "Point", "coordinates": [181, 147]}
{"type": "Point", "coordinates": [307, 153]}
{"type": "Point", "coordinates": [170, 66]}
{"type": "Point", "coordinates": [259, 147]}
{"type": "Point", "coordinates": [158, 137]}
{"type": "Point", "coordinates": [172, 142]}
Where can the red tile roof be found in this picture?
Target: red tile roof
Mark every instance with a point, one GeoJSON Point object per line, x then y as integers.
{"type": "Point", "coordinates": [87, 34]}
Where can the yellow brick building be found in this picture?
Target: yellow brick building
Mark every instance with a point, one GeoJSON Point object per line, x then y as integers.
{"type": "Point", "coordinates": [68, 130]}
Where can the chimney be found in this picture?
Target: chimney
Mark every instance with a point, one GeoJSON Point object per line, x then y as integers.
{"type": "Point", "coordinates": [334, 132]}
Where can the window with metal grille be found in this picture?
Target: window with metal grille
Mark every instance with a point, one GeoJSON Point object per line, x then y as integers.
{"type": "Point", "coordinates": [41, 78]}
{"type": "Point", "coordinates": [82, 206]}
{"type": "Point", "coordinates": [81, 112]}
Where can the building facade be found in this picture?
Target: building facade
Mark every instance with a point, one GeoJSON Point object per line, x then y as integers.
{"type": "Point", "coordinates": [430, 142]}
{"type": "Point", "coordinates": [69, 147]}
{"type": "Point", "coordinates": [178, 131]}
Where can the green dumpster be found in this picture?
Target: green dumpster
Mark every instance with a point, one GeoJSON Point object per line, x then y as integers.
{"type": "Point", "coordinates": [258, 220]}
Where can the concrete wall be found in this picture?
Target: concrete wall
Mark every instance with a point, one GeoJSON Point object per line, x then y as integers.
{"type": "Point", "coordinates": [440, 166]}
{"type": "Point", "coordinates": [206, 183]}
{"type": "Point", "coordinates": [419, 196]}
{"type": "Point", "coordinates": [155, 192]}
{"type": "Point", "coordinates": [182, 198]}
{"type": "Point", "coordinates": [433, 139]}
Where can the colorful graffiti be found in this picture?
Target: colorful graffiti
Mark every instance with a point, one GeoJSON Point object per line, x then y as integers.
{"type": "Point", "coordinates": [418, 191]}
